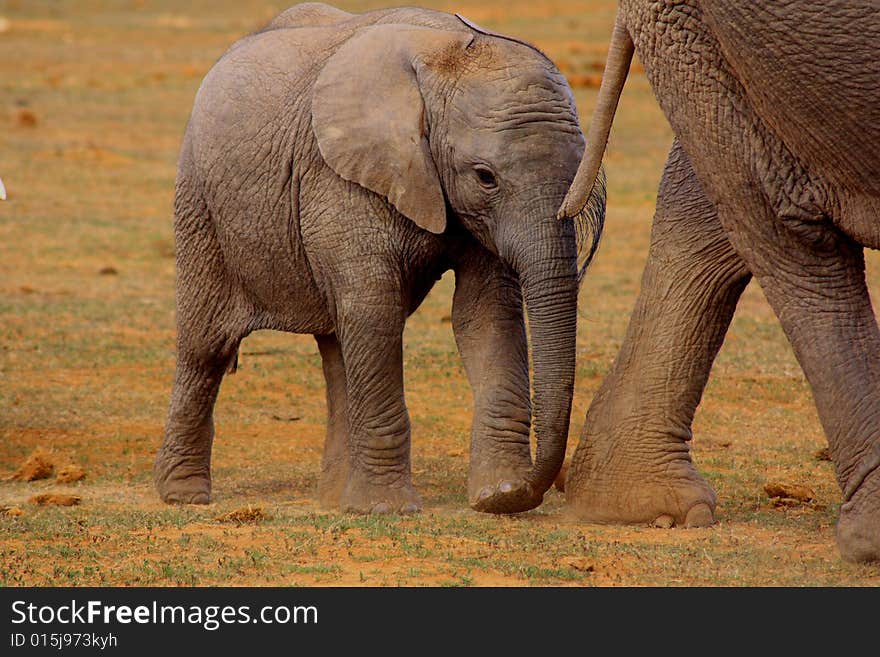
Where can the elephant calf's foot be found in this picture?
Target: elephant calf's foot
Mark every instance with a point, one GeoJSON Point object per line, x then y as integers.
{"type": "Point", "coordinates": [182, 480]}
{"type": "Point", "coordinates": [681, 498]}
{"type": "Point", "coordinates": [858, 530]}
{"type": "Point", "coordinates": [365, 497]}
{"type": "Point", "coordinates": [492, 490]}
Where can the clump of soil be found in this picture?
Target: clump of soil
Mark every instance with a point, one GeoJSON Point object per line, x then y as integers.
{"type": "Point", "coordinates": [25, 118]}
{"type": "Point", "coordinates": [70, 473]}
{"type": "Point", "coordinates": [38, 465]}
{"type": "Point", "coordinates": [55, 499]}
{"type": "Point", "coordinates": [794, 491]}
{"type": "Point", "coordinates": [790, 495]}
{"type": "Point", "coordinates": [822, 454]}
{"type": "Point", "coordinates": [245, 515]}
{"type": "Point", "coordinates": [579, 563]}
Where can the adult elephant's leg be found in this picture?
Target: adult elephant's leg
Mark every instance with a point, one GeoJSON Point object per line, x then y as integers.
{"type": "Point", "coordinates": [814, 279]}
{"type": "Point", "coordinates": [334, 464]}
{"type": "Point", "coordinates": [487, 318]}
{"type": "Point", "coordinates": [633, 461]}
{"type": "Point", "coordinates": [209, 329]}
{"type": "Point", "coordinates": [370, 330]}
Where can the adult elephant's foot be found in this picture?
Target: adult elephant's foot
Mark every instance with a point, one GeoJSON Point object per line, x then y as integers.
{"type": "Point", "coordinates": [363, 496]}
{"type": "Point", "coordinates": [330, 488]}
{"type": "Point", "coordinates": [182, 479]}
{"type": "Point", "coordinates": [858, 529]}
{"type": "Point", "coordinates": [656, 488]}
{"type": "Point", "coordinates": [506, 495]}
{"type": "Point", "coordinates": [497, 483]}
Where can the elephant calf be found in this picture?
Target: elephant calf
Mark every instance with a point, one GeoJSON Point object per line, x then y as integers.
{"type": "Point", "coordinates": [334, 166]}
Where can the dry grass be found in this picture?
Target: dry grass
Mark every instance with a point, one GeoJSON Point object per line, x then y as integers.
{"type": "Point", "coordinates": [93, 101]}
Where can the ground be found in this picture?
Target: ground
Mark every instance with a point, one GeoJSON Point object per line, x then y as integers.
{"type": "Point", "coordinates": [94, 97]}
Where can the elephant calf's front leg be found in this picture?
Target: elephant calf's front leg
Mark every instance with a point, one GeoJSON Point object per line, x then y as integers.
{"type": "Point", "coordinates": [379, 476]}
{"type": "Point", "coordinates": [488, 322]}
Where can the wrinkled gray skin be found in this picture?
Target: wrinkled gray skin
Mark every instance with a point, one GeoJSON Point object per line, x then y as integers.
{"type": "Point", "coordinates": [775, 173]}
{"type": "Point", "coordinates": [334, 166]}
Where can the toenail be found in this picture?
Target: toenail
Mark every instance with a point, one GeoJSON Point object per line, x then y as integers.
{"type": "Point", "coordinates": [664, 522]}
{"type": "Point", "coordinates": [700, 515]}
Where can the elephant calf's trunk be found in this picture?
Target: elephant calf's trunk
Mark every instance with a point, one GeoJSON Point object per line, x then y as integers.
{"type": "Point", "coordinates": [620, 53]}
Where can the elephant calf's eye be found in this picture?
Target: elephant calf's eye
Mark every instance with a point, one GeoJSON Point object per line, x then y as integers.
{"type": "Point", "coordinates": [486, 177]}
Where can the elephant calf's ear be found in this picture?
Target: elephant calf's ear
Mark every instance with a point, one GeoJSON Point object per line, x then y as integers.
{"type": "Point", "coordinates": [369, 118]}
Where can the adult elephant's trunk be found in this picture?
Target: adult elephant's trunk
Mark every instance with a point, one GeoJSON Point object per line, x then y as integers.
{"type": "Point", "coordinates": [620, 53]}
{"type": "Point", "coordinates": [547, 269]}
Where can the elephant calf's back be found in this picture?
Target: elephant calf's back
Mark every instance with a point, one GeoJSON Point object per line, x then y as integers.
{"type": "Point", "coordinates": [251, 147]}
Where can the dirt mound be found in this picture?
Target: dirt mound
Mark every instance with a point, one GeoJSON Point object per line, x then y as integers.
{"type": "Point", "coordinates": [794, 491]}
{"type": "Point", "coordinates": [25, 118]}
{"type": "Point", "coordinates": [70, 473]}
{"type": "Point", "coordinates": [55, 499]}
{"type": "Point", "coordinates": [245, 515]}
{"type": "Point", "coordinates": [38, 465]}
{"type": "Point", "coordinates": [11, 511]}
{"type": "Point", "coordinates": [791, 495]}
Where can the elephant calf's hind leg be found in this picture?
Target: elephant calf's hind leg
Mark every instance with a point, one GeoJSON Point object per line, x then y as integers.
{"type": "Point", "coordinates": [182, 470]}
{"type": "Point", "coordinates": [209, 330]}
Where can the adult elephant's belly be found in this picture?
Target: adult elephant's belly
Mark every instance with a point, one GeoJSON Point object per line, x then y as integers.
{"type": "Point", "coordinates": [812, 75]}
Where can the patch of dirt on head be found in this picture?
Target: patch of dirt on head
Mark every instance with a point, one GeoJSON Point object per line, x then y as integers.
{"type": "Point", "coordinates": [55, 499]}
{"type": "Point", "coordinates": [70, 473]}
{"type": "Point", "coordinates": [245, 515]}
{"type": "Point", "coordinates": [38, 465]}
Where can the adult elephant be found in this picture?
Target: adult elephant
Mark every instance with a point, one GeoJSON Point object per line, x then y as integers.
{"type": "Point", "coordinates": [334, 166]}
{"type": "Point", "coordinates": [775, 173]}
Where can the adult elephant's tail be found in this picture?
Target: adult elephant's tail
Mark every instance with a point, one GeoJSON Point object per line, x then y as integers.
{"type": "Point", "coordinates": [620, 53]}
